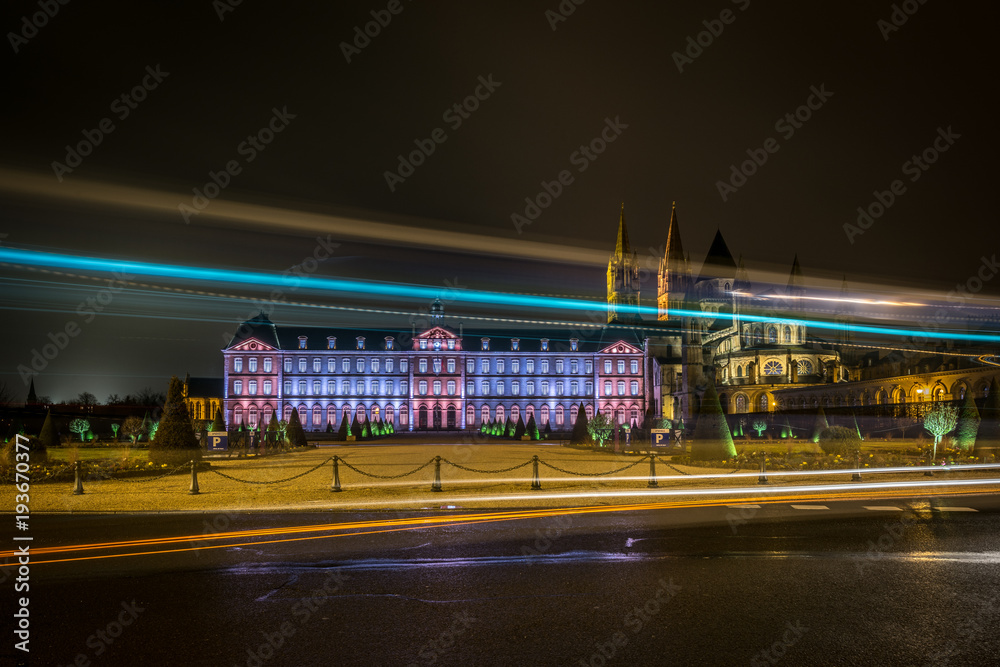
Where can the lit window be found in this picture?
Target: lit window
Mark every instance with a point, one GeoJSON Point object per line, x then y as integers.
{"type": "Point", "coordinates": [451, 343]}
{"type": "Point", "coordinates": [470, 366]}
{"type": "Point", "coordinates": [588, 366]}
{"type": "Point", "coordinates": [607, 387]}
{"type": "Point", "coordinates": [302, 387]}
{"type": "Point", "coordinates": [545, 388]}
{"type": "Point", "coordinates": [331, 342]}
{"type": "Point", "coordinates": [529, 365]}
{"type": "Point", "coordinates": [451, 387]}
{"type": "Point", "coordinates": [574, 388]}
{"type": "Point", "coordinates": [388, 365]}
{"type": "Point", "coordinates": [543, 414]}
{"type": "Point", "coordinates": [237, 387]}
{"type": "Point", "coordinates": [530, 388]}
{"type": "Point", "coordinates": [331, 365]}
{"type": "Point", "coordinates": [437, 365]}
{"type": "Point", "coordinates": [574, 344]}
{"type": "Point", "coordinates": [560, 366]}
{"type": "Point", "coordinates": [287, 387]}
{"type": "Point", "coordinates": [634, 387]}
{"type": "Point", "coordinates": [288, 365]}
{"type": "Point", "coordinates": [359, 365]}
{"type": "Point", "coordinates": [345, 365]}
{"type": "Point", "coordinates": [302, 364]}
{"type": "Point", "coordinates": [574, 366]}
{"type": "Point", "coordinates": [361, 342]}
{"type": "Point", "coordinates": [252, 387]}
{"type": "Point", "coordinates": [621, 366]}
{"type": "Point", "coordinates": [451, 365]}
{"type": "Point", "coordinates": [331, 387]}
{"type": "Point", "coordinates": [317, 365]}
{"type": "Point", "coordinates": [237, 365]}
{"type": "Point", "coordinates": [515, 344]}
{"type": "Point", "coordinates": [560, 415]}
{"type": "Point", "coordinates": [544, 363]}
{"type": "Point", "coordinates": [422, 365]}
{"type": "Point", "coordinates": [515, 365]}
{"type": "Point", "coordinates": [437, 343]}
{"type": "Point", "coordinates": [806, 367]}
{"type": "Point", "coordinates": [773, 368]}
{"type": "Point", "coordinates": [403, 365]}
{"type": "Point", "coordinates": [545, 345]}
{"type": "Point", "coordinates": [484, 366]}
{"type": "Point", "coordinates": [376, 385]}
{"type": "Point", "coordinates": [607, 366]}
{"type": "Point", "coordinates": [437, 387]}
{"type": "Point", "coordinates": [470, 388]}
{"type": "Point", "coordinates": [302, 342]}
{"type": "Point", "coordinates": [486, 343]}
{"type": "Point", "coordinates": [499, 388]}
{"type": "Point", "coordinates": [252, 365]}
{"type": "Point", "coordinates": [423, 344]}
{"type": "Point", "coordinates": [589, 390]}
{"type": "Point", "coordinates": [515, 388]}
{"type": "Point", "coordinates": [484, 388]}
{"type": "Point", "coordinates": [621, 387]}
{"type": "Point", "coordinates": [316, 388]}
{"type": "Point", "coordinates": [375, 365]}
{"type": "Point", "coordinates": [390, 343]}
{"type": "Point", "coordinates": [422, 387]}
{"type": "Point", "coordinates": [634, 366]}
{"type": "Point", "coordinates": [267, 387]}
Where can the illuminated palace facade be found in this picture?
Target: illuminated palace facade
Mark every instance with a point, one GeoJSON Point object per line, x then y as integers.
{"type": "Point", "coordinates": [441, 378]}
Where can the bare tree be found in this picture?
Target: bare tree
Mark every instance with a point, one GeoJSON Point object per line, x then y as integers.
{"type": "Point", "coordinates": [132, 428]}
{"type": "Point", "coordinates": [87, 399]}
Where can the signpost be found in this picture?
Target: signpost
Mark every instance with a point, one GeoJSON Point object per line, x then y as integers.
{"type": "Point", "coordinates": [218, 441]}
{"type": "Point", "coordinates": [661, 437]}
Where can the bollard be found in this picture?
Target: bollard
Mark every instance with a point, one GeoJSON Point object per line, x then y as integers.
{"type": "Point", "coordinates": [763, 473]}
{"type": "Point", "coordinates": [652, 471]}
{"type": "Point", "coordinates": [856, 477]}
{"type": "Point", "coordinates": [536, 485]}
{"type": "Point", "coordinates": [436, 485]}
{"type": "Point", "coordinates": [335, 485]}
{"type": "Point", "coordinates": [78, 489]}
{"type": "Point", "coordinates": [194, 480]}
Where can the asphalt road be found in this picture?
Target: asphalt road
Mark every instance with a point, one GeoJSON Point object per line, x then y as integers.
{"type": "Point", "coordinates": [879, 582]}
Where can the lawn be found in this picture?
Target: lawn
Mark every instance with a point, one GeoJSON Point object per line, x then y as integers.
{"type": "Point", "coordinates": [72, 453]}
{"type": "Point", "coordinates": [806, 446]}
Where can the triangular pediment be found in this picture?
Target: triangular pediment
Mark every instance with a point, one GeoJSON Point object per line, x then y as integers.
{"type": "Point", "coordinates": [252, 345]}
{"type": "Point", "coordinates": [621, 347]}
{"type": "Point", "coordinates": [437, 332]}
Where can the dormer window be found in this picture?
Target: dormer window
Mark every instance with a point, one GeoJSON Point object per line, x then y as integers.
{"type": "Point", "coordinates": [451, 343]}
{"type": "Point", "coordinates": [574, 344]}
{"type": "Point", "coordinates": [423, 343]}
{"type": "Point", "coordinates": [302, 342]}
{"type": "Point", "coordinates": [545, 345]}
{"type": "Point", "coordinates": [390, 343]}
{"type": "Point", "coordinates": [361, 342]}
{"type": "Point", "coordinates": [486, 343]}
{"type": "Point", "coordinates": [331, 342]}
{"type": "Point", "coordinates": [515, 344]}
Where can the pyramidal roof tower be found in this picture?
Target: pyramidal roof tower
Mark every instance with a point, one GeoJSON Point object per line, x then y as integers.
{"type": "Point", "coordinates": [674, 275]}
{"type": "Point", "coordinates": [719, 262]}
{"type": "Point", "coordinates": [623, 279]}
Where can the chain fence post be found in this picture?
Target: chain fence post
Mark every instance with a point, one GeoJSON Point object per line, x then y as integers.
{"type": "Point", "coordinates": [762, 479]}
{"type": "Point", "coordinates": [194, 479]}
{"type": "Point", "coordinates": [652, 471]}
{"type": "Point", "coordinates": [335, 485]}
{"type": "Point", "coordinates": [436, 486]}
{"type": "Point", "coordinates": [536, 484]}
{"type": "Point", "coordinates": [78, 488]}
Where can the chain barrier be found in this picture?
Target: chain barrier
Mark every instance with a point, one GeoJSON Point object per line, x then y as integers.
{"type": "Point", "coordinates": [269, 481]}
{"type": "Point", "coordinates": [671, 466]}
{"type": "Point", "coordinates": [486, 472]}
{"type": "Point", "coordinates": [593, 474]}
{"type": "Point", "coordinates": [369, 474]}
{"type": "Point", "coordinates": [153, 479]}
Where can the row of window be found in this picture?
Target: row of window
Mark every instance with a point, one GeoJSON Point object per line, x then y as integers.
{"type": "Point", "coordinates": [757, 336]}
{"type": "Point", "coordinates": [773, 367]}
{"type": "Point", "coordinates": [434, 343]}
{"type": "Point", "coordinates": [436, 365]}
{"type": "Point", "coordinates": [392, 387]}
{"type": "Point", "coordinates": [319, 418]}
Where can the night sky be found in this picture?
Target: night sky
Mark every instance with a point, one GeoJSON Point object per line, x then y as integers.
{"type": "Point", "coordinates": [214, 78]}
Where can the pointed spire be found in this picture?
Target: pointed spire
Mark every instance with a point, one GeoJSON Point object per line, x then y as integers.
{"type": "Point", "coordinates": [795, 283]}
{"type": "Point", "coordinates": [622, 248]}
{"type": "Point", "coordinates": [32, 398]}
{"type": "Point", "coordinates": [719, 261]}
{"type": "Point", "coordinates": [674, 254]}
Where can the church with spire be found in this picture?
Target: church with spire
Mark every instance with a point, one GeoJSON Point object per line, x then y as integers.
{"type": "Point", "coordinates": [709, 333]}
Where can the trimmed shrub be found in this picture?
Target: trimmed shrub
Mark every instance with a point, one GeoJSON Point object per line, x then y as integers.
{"type": "Point", "coordinates": [711, 440]}
{"type": "Point", "coordinates": [174, 441]}
{"type": "Point", "coordinates": [839, 440]}
{"type": "Point", "coordinates": [968, 424]}
{"type": "Point", "coordinates": [581, 430]}
{"type": "Point", "coordinates": [820, 424]}
{"type": "Point", "coordinates": [294, 434]}
{"type": "Point", "coordinates": [345, 429]}
{"type": "Point", "coordinates": [48, 435]}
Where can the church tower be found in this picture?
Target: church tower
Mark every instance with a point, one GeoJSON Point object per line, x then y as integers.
{"type": "Point", "coordinates": [673, 277]}
{"type": "Point", "coordinates": [623, 279]}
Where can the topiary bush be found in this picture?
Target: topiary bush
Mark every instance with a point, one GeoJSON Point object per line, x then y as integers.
{"type": "Point", "coordinates": [839, 440]}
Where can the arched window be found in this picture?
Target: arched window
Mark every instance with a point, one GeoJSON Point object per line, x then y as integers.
{"type": "Point", "coordinates": [573, 412]}
{"type": "Point", "coordinates": [543, 415]}
{"type": "Point", "coordinates": [788, 334]}
{"type": "Point", "coordinates": [484, 414]}
{"type": "Point", "coordinates": [757, 338]}
{"type": "Point", "coordinates": [501, 413]}
{"type": "Point", "coordinates": [515, 413]}
{"type": "Point", "coordinates": [739, 371]}
{"type": "Point", "coordinates": [360, 413]}
{"type": "Point", "coordinates": [252, 416]}
{"type": "Point", "coordinates": [317, 416]}
{"type": "Point", "coordinates": [589, 411]}
{"type": "Point", "coordinates": [772, 335]}
{"type": "Point", "coordinates": [470, 416]}
{"type": "Point", "coordinates": [404, 415]}
{"type": "Point", "coordinates": [805, 367]}
{"type": "Point", "coordinates": [529, 412]}
{"type": "Point", "coordinates": [621, 415]}
{"type": "Point", "coordinates": [741, 403]}
{"type": "Point", "coordinates": [237, 416]}
{"type": "Point", "coordinates": [763, 403]}
{"type": "Point", "coordinates": [560, 415]}
{"type": "Point", "coordinates": [268, 414]}
{"type": "Point", "coordinates": [773, 368]}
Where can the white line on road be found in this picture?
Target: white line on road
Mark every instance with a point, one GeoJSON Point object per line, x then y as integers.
{"type": "Point", "coordinates": [743, 507]}
{"type": "Point", "coordinates": [945, 508]}
{"type": "Point", "coordinates": [810, 507]}
{"type": "Point", "coordinates": [883, 508]}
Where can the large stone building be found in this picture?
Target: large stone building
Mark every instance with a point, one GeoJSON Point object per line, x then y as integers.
{"type": "Point", "coordinates": [706, 327]}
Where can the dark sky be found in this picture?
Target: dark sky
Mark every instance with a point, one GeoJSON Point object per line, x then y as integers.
{"type": "Point", "coordinates": [553, 91]}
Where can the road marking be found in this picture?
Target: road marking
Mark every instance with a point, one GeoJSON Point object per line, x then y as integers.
{"type": "Point", "coordinates": [945, 508]}
{"type": "Point", "coordinates": [743, 507]}
{"type": "Point", "coordinates": [883, 508]}
{"type": "Point", "coordinates": [810, 507]}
